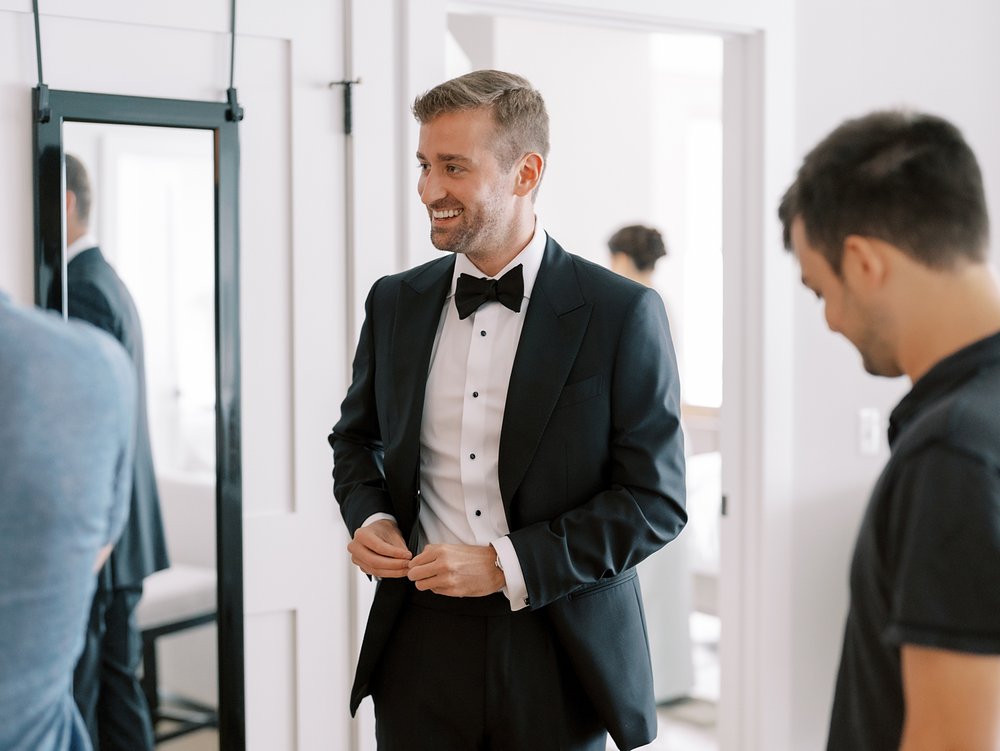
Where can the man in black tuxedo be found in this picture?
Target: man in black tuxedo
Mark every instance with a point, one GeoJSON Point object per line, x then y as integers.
{"type": "Point", "coordinates": [105, 684]}
{"type": "Point", "coordinates": [508, 451]}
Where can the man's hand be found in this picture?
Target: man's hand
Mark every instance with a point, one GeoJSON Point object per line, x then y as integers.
{"type": "Point", "coordinates": [457, 570]}
{"type": "Point", "coordinates": [379, 550]}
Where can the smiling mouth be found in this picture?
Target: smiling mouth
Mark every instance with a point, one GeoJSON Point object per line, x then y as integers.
{"type": "Point", "coordinates": [443, 214]}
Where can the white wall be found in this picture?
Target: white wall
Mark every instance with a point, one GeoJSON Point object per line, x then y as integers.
{"type": "Point", "coordinates": [852, 57]}
{"type": "Point", "coordinates": [17, 75]}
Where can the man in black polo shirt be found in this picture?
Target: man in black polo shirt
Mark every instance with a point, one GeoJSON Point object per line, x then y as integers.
{"type": "Point", "coordinates": [888, 221]}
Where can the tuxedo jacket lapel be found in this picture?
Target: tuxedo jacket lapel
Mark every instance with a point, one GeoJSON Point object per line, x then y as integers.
{"type": "Point", "coordinates": [417, 314]}
{"type": "Point", "coordinates": [554, 326]}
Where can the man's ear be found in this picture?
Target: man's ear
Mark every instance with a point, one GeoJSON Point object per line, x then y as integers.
{"type": "Point", "coordinates": [864, 263]}
{"type": "Point", "coordinates": [70, 203]}
{"type": "Point", "coordinates": [529, 174]}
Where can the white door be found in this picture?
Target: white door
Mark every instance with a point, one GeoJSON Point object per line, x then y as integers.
{"type": "Point", "coordinates": [294, 319]}
{"type": "Point", "coordinates": [293, 316]}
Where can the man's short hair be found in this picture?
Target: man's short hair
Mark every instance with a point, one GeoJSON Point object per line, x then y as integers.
{"type": "Point", "coordinates": [78, 183]}
{"type": "Point", "coordinates": [518, 110]}
{"type": "Point", "coordinates": [644, 245]}
{"type": "Point", "coordinates": [906, 178]}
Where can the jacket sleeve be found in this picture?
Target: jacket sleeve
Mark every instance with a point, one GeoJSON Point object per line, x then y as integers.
{"type": "Point", "coordinates": [641, 506]}
{"type": "Point", "coordinates": [358, 477]}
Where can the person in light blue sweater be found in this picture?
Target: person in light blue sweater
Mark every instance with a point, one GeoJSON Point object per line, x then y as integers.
{"type": "Point", "coordinates": [67, 432]}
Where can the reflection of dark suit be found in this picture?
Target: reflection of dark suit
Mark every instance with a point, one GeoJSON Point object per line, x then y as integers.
{"type": "Point", "coordinates": [105, 683]}
{"type": "Point", "coordinates": [591, 463]}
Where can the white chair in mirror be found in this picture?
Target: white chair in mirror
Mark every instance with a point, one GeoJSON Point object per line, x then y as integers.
{"type": "Point", "coordinates": [175, 600]}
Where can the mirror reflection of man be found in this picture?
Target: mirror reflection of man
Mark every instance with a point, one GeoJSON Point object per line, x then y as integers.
{"type": "Point", "coordinates": [106, 685]}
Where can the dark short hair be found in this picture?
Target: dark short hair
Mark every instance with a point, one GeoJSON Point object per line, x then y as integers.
{"type": "Point", "coordinates": [906, 178]}
{"type": "Point", "coordinates": [78, 182]}
{"type": "Point", "coordinates": [518, 110]}
{"type": "Point", "coordinates": [644, 245]}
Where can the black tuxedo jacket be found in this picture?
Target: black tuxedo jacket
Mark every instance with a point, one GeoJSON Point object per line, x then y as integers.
{"type": "Point", "coordinates": [591, 460]}
{"type": "Point", "coordinates": [97, 295]}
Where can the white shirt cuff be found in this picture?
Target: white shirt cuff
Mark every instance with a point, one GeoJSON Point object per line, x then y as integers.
{"type": "Point", "coordinates": [377, 518]}
{"type": "Point", "coordinates": [515, 590]}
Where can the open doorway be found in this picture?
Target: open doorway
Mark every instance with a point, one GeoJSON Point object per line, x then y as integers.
{"type": "Point", "coordinates": [636, 122]}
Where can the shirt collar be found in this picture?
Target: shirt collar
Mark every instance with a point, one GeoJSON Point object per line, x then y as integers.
{"type": "Point", "coordinates": [530, 259]}
{"type": "Point", "coordinates": [947, 375]}
{"type": "Point", "coordinates": [86, 241]}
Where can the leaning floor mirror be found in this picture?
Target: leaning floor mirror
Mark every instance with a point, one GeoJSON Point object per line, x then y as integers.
{"type": "Point", "coordinates": [163, 214]}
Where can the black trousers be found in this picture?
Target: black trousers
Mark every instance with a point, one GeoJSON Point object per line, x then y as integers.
{"type": "Point", "coordinates": [105, 683]}
{"type": "Point", "coordinates": [467, 674]}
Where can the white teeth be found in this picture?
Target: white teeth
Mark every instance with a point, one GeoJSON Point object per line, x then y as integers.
{"type": "Point", "coordinates": [446, 214]}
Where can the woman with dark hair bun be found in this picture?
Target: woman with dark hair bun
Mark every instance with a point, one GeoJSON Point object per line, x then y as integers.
{"type": "Point", "coordinates": [635, 249]}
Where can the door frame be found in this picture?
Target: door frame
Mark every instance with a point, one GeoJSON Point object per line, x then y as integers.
{"type": "Point", "coordinates": [756, 424]}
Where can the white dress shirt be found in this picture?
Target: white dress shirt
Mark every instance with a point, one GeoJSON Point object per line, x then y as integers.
{"type": "Point", "coordinates": [84, 242]}
{"type": "Point", "coordinates": [463, 413]}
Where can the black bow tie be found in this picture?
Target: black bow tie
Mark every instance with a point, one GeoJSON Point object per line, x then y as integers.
{"type": "Point", "coordinates": [471, 292]}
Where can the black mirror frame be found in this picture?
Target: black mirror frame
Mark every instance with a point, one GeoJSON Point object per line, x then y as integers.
{"type": "Point", "coordinates": [50, 267]}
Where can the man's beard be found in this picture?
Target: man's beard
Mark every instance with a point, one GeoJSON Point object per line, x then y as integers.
{"type": "Point", "coordinates": [475, 232]}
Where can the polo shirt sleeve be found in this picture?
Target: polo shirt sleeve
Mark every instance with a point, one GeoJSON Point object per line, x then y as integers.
{"type": "Point", "coordinates": [944, 552]}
